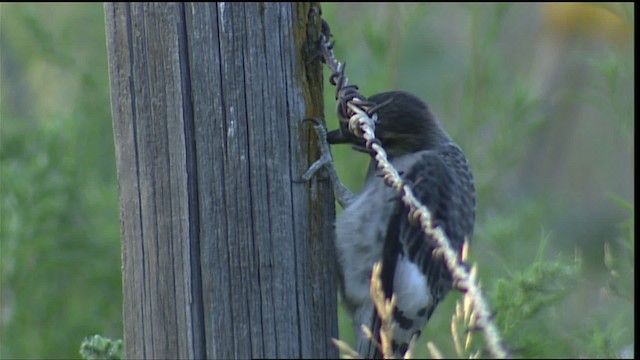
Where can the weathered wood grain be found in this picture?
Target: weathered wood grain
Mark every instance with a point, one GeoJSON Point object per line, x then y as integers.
{"type": "Point", "coordinates": [224, 255]}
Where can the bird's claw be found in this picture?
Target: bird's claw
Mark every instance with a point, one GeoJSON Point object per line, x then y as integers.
{"type": "Point", "coordinates": [341, 193]}
{"type": "Point", "coordinates": [325, 157]}
{"type": "Point", "coordinates": [315, 121]}
{"type": "Point", "coordinates": [313, 169]}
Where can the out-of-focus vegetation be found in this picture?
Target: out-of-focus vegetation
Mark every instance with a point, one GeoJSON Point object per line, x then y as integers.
{"type": "Point", "coordinates": [59, 227]}
{"type": "Point", "coordinates": [539, 96]}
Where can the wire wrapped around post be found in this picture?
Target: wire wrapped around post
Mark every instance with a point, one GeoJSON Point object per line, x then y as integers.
{"type": "Point", "coordinates": [359, 117]}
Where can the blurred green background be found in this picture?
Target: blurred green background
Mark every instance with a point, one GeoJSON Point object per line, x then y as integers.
{"type": "Point", "coordinates": [539, 96]}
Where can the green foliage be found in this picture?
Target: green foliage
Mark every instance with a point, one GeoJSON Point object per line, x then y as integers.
{"type": "Point", "coordinates": [601, 342]}
{"type": "Point", "coordinates": [611, 335]}
{"type": "Point", "coordinates": [524, 300]}
{"type": "Point", "coordinates": [99, 347]}
{"type": "Point", "coordinates": [59, 235]}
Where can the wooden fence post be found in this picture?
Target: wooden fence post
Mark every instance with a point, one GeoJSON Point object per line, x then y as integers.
{"type": "Point", "coordinates": [223, 254]}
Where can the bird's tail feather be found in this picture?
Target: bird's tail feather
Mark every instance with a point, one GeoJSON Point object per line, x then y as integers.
{"type": "Point", "coordinates": [366, 315]}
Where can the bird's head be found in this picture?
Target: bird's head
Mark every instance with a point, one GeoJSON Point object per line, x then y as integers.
{"type": "Point", "coordinates": [404, 125]}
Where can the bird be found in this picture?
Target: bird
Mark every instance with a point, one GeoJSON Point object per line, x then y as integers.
{"type": "Point", "coordinates": [374, 225]}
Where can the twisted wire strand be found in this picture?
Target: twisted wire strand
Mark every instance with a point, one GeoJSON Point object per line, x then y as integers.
{"type": "Point", "coordinates": [361, 122]}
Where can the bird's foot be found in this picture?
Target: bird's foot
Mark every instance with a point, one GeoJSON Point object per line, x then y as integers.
{"type": "Point", "coordinates": [341, 193]}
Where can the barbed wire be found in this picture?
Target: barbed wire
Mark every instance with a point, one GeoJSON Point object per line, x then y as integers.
{"type": "Point", "coordinates": [362, 117]}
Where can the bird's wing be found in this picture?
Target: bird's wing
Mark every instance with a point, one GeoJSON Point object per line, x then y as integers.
{"type": "Point", "coordinates": [442, 181]}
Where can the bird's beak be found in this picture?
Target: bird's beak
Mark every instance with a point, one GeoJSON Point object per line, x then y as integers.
{"type": "Point", "coordinates": [339, 137]}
